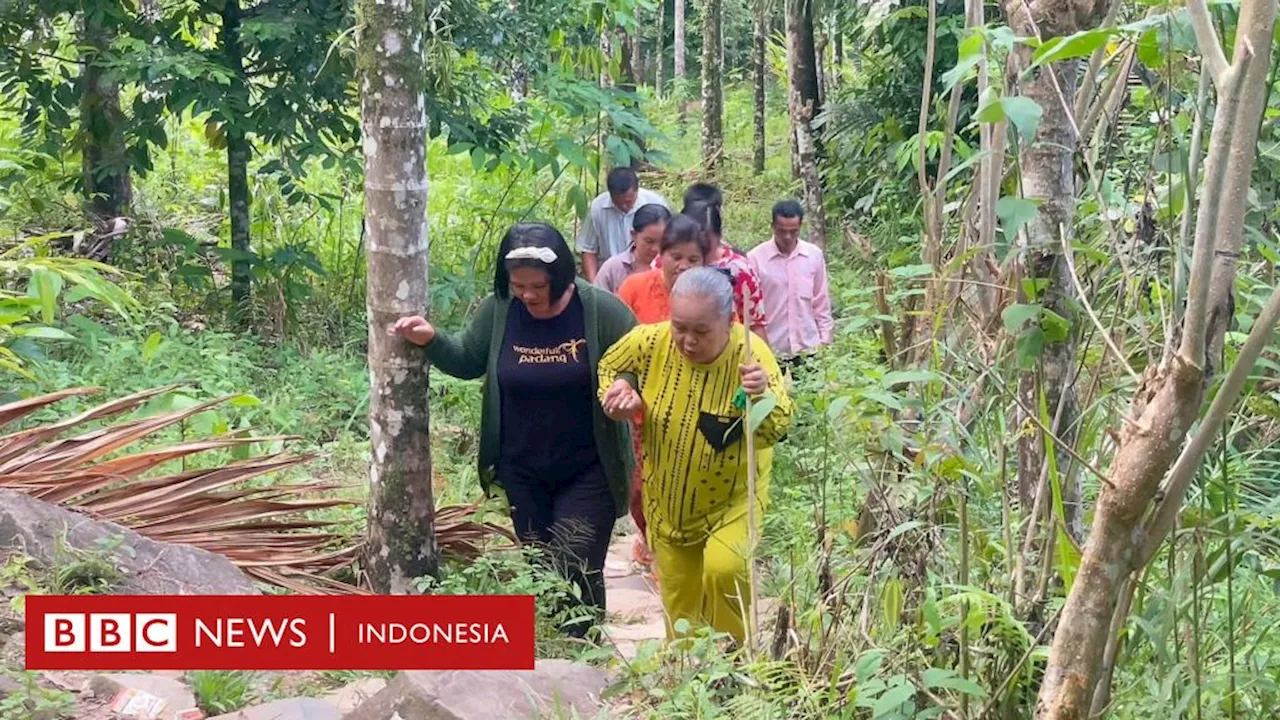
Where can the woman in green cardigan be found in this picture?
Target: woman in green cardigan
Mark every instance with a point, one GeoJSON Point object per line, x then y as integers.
{"type": "Point", "coordinates": [544, 439]}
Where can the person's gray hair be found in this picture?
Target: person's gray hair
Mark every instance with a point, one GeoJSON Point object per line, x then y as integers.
{"type": "Point", "coordinates": [707, 283]}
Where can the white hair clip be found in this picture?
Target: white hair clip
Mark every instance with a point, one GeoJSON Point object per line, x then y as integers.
{"type": "Point", "coordinates": [546, 255]}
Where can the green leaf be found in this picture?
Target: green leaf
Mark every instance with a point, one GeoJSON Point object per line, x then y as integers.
{"type": "Point", "coordinates": [1014, 213]}
{"type": "Point", "coordinates": [943, 678]}
{"type": "Point", "coordinates": [910, 271]}
{"type": "Point", "coordinates": [1017, 315]}
{"type": "Point", "coordinates": [891, 602]}
{"type": "Point", "coordinates": [1068, 559]}
{"type": "Point", "coordinates": [1081, 44]}
{"type": "Point", "coordinates": [45, 285]}
{"type": "Point", "coordinates": [1025, 115]}
{"type": "Point", "coordinates": [962, 68]}
{"type": "Point", "coordinates": [1056, 328]}
{"type": "Point", "coordinates": [837, 408]}
{"type": "Point", "coordinates": [245, 400]}
{"type": "Point", "coordinates": [42, 332]}
{"type": "Point", "coordinates": [905, 527]}
{"type": "Point", "coordinates": [1029, 347]}
{"type": "Point", "coordinates": [889, 400]}
{"type": "Point", "coordinates": [990, 110]}
{"type": "Point", "coordinates": [151, 346]}
{"type": "Point", "coordinates": [868, 665]}
{"type": "Point", "coordinates": [761, 409]}
{"type": "Point", "coordinates": [892, 700]}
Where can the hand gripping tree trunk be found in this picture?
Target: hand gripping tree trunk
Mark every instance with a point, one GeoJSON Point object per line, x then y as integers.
{"type": "Point", "coordinates": [391, 66]}
{"type": "Point", "coordinates": [1129, 526]}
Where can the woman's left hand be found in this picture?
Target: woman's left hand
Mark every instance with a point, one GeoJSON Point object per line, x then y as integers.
{"type": "Point", "coordinates": [754, 380]}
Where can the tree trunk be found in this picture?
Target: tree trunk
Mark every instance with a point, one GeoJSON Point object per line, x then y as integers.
{"type": "Point", "coordinates": [820, 61]}
{"type": "Point", "coordinates": [1167, 403]}
{"type": "Point", "coordinates": [679, 40]}
{"type": "Point", "coordinates": [238, 151]}
{"type": "Point", "coordinates": [391, 65]}
{"type": "Point", "coordinates": [807, 56]}
{"type": "Point", "coordinates": [659, 59]}
{"type": "Point", "coordinates": [758, 76]}
{"type": "Point", "coordinates": [838, 65]}
{"type": "Point", "coordinates": [802, 70]}
{"type": "Point", "coordinates": [1048, 179]}
{"type": "Point", "coordinates": [105, 178]}
{"type": "Point", "coordinates": [712, 85]}
{"type": "Point", "coordinates": [635, 42]}
{"type": "Point", "coordinates": [802, 109]}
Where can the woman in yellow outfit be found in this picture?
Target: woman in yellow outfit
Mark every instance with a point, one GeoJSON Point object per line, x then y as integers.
{"type": "Point", "coordinates": [688, 375]}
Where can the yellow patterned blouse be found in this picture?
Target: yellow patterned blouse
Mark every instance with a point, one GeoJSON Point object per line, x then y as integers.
{"type": "Point", "coordinates": [695, 460]}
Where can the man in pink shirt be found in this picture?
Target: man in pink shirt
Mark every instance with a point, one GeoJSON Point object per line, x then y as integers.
{"type": "Point", "coordinates": [797, 302]}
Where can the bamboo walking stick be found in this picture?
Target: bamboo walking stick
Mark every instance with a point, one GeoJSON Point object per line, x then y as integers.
{"type": "Point", "coordinates": [752, 539]}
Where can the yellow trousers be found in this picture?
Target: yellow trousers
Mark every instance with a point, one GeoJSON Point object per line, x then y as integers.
{"type": "Point", "coordinates": [706, 582]}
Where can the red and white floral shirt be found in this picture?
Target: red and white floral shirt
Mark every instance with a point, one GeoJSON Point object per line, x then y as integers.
{"type": "Point", "coordinates": [746, 283]}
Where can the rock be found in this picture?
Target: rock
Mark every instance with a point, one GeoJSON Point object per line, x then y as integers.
{"type": "Point", "coordinates": [352, 695]}
{"type": "Point", "coordinates": [152, 568]}
{"type": "Point", "coordinates": [14, 653]}
{"type": "Point", "coordinates": [488, 694]}
{"type": "Point", "coordinates": [8, 686]}
{"type": "Point", "coordinates": [176, 695]}
{"type": "Point", "coordinates": [303, 708]}
{"type": "Point", "coordinates": [630, 605]}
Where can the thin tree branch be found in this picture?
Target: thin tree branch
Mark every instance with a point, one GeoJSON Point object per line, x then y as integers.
{"type": "Point", "coordinates": [1207, 38]}
{"type": "Point", "coordinates": [1184, 468]}
{"type": "Point", "coordinates": [1088, 308]}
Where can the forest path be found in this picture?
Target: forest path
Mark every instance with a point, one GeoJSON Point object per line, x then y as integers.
{"type": "Point", "coordinates": [635, 608]}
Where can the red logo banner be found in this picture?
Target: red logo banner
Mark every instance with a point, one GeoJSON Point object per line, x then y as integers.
{"type": "Point", "coordinates": [276, 632]}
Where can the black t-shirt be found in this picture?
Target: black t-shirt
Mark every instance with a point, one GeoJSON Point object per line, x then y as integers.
{"type": "Point", "coordinates": [545, 381]}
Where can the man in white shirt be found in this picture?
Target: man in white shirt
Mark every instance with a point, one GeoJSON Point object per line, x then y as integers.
{"type": "Point", "coordinates": [606, 231]}
{"type": "Point", "coordinates": [797, 300]}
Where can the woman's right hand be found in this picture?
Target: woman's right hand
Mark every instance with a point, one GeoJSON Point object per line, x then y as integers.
{"type": "Point", "coordinates": [621, 401]}
{"type": "Point", "coordinates": [415, 329]}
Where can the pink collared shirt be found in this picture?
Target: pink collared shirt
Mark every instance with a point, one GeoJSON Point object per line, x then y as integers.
{"type": "Point", "coordinates": [797, 301]}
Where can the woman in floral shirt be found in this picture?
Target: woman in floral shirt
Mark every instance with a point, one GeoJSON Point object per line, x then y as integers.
{"type": "Point", "coordinates": [746, 281]}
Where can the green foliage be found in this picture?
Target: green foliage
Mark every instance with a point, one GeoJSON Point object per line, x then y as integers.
{"type": "Point", "coordinates": [219, 692]}
{"type": "Point", "coordinates": [526, 571]}
{"type": "Point", "coordinates": [33, 700]}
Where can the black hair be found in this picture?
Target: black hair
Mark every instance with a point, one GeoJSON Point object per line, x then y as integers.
{"type": "Point", "coordinates": [787, 209]}
{"type": "Point", "coordinates": [561, 271]}
{"type": "Point", "coordinates": [620, 180]}
{"type": "Point", "coordinates": [701, 192]}
{"type": "Point", "coordinates": [684, 229]}
{"type": "Point", "coordinates": [648, 215]}
{"type": "Point", "coordinates": [707, 215]}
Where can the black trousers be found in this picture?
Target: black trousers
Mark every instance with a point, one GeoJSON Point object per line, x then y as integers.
{"type": "Point", "coordinates": [571, 519]}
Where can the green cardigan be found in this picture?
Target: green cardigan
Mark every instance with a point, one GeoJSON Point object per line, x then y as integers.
{"type": "Point", "coordinates": [475, 354]}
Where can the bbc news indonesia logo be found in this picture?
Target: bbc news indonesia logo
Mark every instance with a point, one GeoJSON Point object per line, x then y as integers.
{"type": "Point", "coordinates": [238, 632]}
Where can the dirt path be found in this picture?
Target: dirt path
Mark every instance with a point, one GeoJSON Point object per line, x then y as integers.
{"type": "Point", "coordinates": [635, 609]}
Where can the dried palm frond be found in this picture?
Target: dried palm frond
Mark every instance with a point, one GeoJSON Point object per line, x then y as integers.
{"type": "Point", "coordinates": [263, 530]}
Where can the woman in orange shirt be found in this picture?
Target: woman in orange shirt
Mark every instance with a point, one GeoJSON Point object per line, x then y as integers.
{"type": "Point", "coordinates": [685, 245]}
